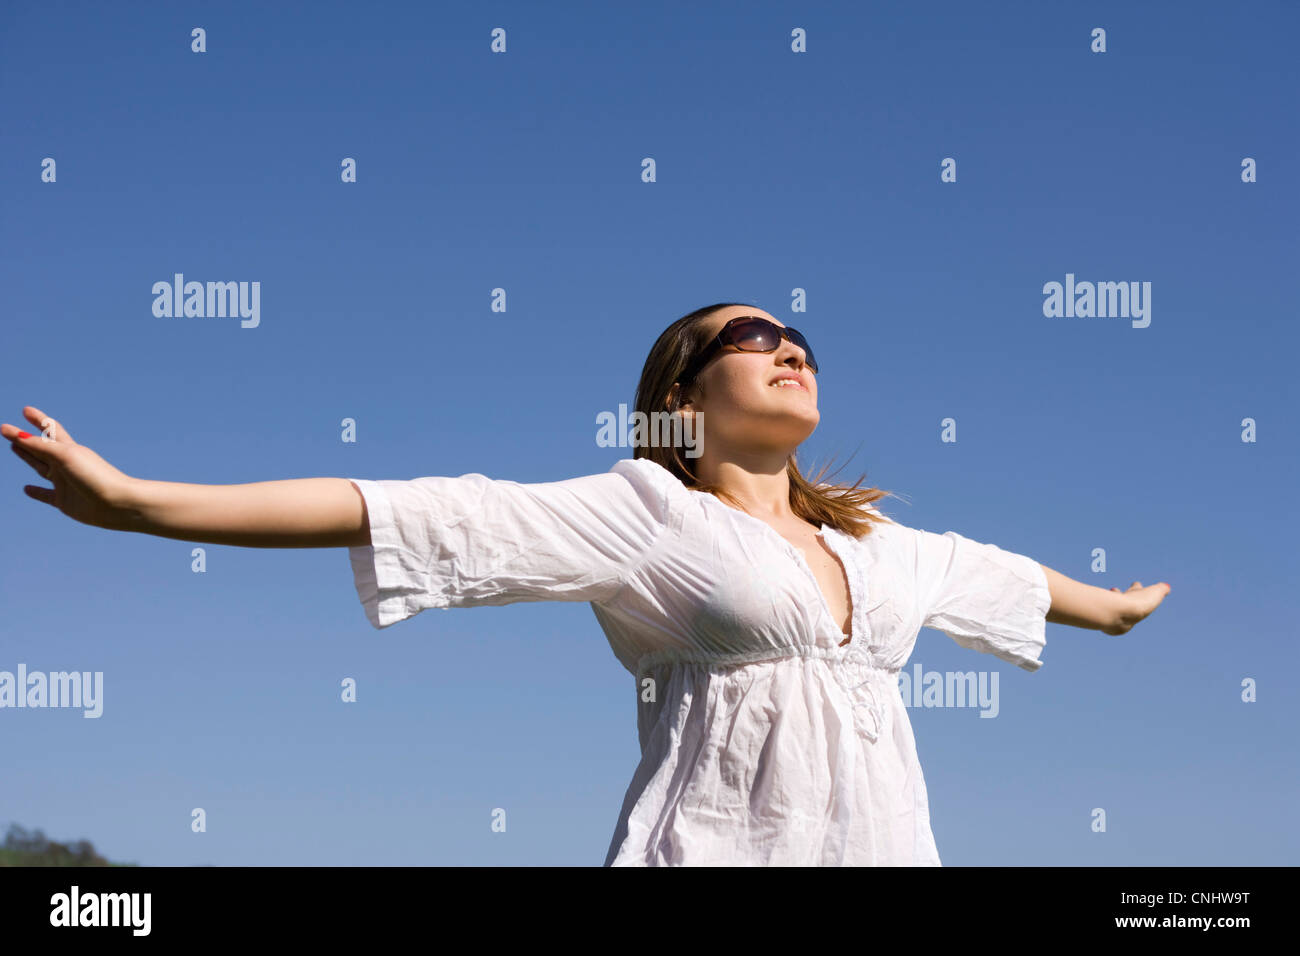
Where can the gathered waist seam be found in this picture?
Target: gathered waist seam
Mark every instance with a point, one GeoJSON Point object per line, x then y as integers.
{"type": "Point", "coordinates": [656, 659]}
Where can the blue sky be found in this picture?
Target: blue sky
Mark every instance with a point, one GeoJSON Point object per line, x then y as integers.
{"type": "Point", "coordinates": [775, 171]}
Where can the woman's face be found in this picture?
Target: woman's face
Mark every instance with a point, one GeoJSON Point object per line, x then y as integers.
{"type": "Point", "coordinates": [740, 408]}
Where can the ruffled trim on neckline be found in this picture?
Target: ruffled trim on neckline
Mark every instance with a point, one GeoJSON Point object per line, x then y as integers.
{"type": "Point", "coordinates": [857, 671]}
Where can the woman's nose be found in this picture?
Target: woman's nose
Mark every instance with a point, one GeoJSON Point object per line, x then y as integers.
{"type": "Point", "coordinates": [795, 356]}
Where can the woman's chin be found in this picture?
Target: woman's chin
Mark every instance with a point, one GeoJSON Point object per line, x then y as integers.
{"type": "Point", "coordinates": [799, 431]}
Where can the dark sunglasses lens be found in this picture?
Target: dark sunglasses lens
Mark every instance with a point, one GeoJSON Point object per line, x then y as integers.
{"type": "Point", "coordinates": [755, 335]}
{"type": "Point", "coordinates": [760, 335]}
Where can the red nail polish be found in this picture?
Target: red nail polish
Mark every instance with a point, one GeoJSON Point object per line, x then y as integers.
{"type": "Point", "coordinates": [24, 435]}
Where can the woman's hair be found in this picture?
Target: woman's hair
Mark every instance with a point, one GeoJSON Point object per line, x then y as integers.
{"type": "Point", "coordinates": [840, 506]}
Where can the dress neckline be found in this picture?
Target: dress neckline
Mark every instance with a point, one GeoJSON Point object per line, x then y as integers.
{"type": "Point", "coordinates": [856, 620]}
{"type": "Point", "coordinates": [797, 555]}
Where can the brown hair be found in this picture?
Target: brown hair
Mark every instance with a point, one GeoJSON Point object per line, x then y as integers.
{"type": "Point", "coordinates": [840, 506]}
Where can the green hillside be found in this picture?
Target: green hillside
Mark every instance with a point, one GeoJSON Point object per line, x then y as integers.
{"type": "Point", "coordinates": [27, 848]}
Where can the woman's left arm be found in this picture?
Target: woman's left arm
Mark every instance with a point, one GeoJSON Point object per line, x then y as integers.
{"type": "Point", "coordinates": [1112, 612]}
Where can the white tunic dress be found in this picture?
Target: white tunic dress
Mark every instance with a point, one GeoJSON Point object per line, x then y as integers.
{"type": "Point", "coordinates": [763, 742]}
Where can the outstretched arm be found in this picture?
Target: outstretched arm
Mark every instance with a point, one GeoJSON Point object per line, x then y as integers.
{"type": "Point", "coordinates": [295, 513]}
{"type": "Point", "coordinates": [1112, 612]}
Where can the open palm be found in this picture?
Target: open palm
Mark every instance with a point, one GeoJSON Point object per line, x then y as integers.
{"type": "Point", "coordinates": [1141, 602]}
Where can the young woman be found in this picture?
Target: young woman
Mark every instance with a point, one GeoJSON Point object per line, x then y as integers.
{"type": "Point", "coordinates": [765, 617]}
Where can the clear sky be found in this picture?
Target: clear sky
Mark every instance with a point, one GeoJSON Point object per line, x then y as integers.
{"type": "Point", "coordinates": [774, 171]}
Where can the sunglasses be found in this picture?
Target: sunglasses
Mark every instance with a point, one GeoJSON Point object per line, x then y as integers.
{"type": "Point", "coordinates": [750, 333]}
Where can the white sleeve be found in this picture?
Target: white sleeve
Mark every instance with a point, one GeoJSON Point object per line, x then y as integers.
{"type": "Point", "coordinates": [474, 541]}
{"type": "Point", "coordinates": [984, 598]}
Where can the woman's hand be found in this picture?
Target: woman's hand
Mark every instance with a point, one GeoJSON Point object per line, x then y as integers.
{"type": "Point", "coordinates": [1139, 601]}
{"type": "Point", "coordinates": [86, 487]}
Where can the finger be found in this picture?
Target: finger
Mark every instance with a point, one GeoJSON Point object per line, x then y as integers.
{"type": "Point", "coordinates": [39, 447]}
{"type": "Point", "coordinates": [51, 429]}
{"type": "Point", "coordinates": [42, 467]}
{"type": "Point", "coordinates": [40, 494]}
{"type": "Point", "coordinates": [11, 432]}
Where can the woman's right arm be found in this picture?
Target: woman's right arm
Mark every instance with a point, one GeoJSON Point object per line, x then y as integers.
{"type": "Point", "coordinates": [297, 513]}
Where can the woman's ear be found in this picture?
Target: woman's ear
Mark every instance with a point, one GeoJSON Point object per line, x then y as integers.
{"type": "Point", "coordinates": [678, 397]}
